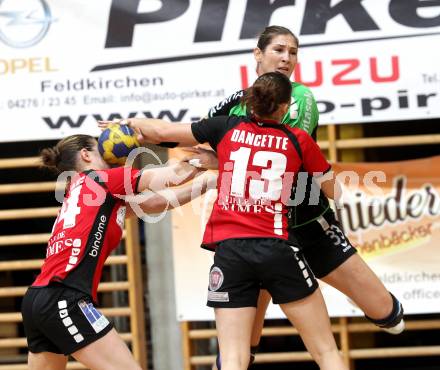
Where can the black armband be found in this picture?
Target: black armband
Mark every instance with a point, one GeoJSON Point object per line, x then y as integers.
{"type": "Point", "coordinates": [170, 144]}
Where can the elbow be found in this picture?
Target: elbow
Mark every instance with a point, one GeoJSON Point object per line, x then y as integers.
{"type": "Point", "coordinates": [155, 204]}
{"type": "Point", "coordinates": [333, 190]}
{"type": "Point", "coordinates": [329, 186]}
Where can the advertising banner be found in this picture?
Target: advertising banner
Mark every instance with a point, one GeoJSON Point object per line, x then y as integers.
{"type": "Point", "coordinates": [391, 214]}
{"type": "Point", "coordinates": [66, 64]}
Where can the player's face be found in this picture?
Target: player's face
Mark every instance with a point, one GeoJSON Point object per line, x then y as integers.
{"type": "Point", "coordinates": [96, 159]}
{"type": "Point", "coordinates": [278, 56]}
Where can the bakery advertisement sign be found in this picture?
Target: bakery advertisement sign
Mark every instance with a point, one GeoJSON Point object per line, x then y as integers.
{"type": "Point", "coordinates": [391, 214]}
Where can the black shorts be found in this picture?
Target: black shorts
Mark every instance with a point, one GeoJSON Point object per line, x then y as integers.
{"type": "Point", "coordinates": [324, 244]}
{"type": "Point", "coordinates": [61, 320]}
{"type": "Point", "coordinates": [244, 266]}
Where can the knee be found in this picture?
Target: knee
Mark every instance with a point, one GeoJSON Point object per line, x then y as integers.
{"type": "Point", "coordinates": [393, 323]}
{"type": "Point", "coordinates": [380, 305]}
{"type": "Point", "coordinates": [252, 353]}
{"type": "Point", "coordinates": [237, 360]}
{"type": "Point", "coordinates": [327, 356]}
{"type": "Point", "coordinates": [386, 299]}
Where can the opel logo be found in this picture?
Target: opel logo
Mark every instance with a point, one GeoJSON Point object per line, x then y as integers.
{"type": "Point", "coordinates": [24, 23]}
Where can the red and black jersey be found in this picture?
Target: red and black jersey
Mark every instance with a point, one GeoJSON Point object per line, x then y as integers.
{"type": "Point", "coordinates": [258, 165]}
{"type": "Point", "coordinates": [88, 227]}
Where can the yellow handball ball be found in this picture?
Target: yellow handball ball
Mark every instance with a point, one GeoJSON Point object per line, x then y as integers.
{"type": "Point", "coordinates": [116, 142]}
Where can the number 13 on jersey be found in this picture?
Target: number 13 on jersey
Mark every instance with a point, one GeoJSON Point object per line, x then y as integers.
{"type": "Point", "coordinates": [269, 182]}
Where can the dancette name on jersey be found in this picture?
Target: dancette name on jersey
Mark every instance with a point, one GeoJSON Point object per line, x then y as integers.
{"type": "Point", "coordinates": [261, 141]}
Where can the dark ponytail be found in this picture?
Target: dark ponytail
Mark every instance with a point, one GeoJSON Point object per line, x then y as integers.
{"type": "Point", "coordinates": [64, 155]}
{"type": "Point", "coordinates": [267, 93]}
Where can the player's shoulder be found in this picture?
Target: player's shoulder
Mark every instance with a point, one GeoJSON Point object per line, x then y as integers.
{"type": "Point", "coordinates": [107, 171]}
{"type": "Point", "coordinates": [102, 176]}
{"type": "Point", "coordinates": [231, 121]}
{"type": "Point", "coordinates": [299, 89]}
{"type": "Point", "coordinates": [300, 133]}
{"type": "Point", "coordinates": [234, 97]}
{"type": "Point", "coordinates": [223, 119]}
{"type": "Point", "coordinates": [224, 107]}
{"type": "Point", "coordinates": [296, 130]}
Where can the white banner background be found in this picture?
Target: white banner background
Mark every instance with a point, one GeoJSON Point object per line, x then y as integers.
{"type": "Point", "coordinates": [36, 101]}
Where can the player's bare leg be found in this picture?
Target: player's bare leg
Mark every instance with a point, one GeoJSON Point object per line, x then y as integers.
{"type": "Point", "coordinates": [263, 302]}
{"type": "Point", "coordinates": [107, 353]}
{"type": "Point", "coordinates": [357, 281]}
{"type": "Point", "coordinates": [310, 317]}
{"type": "Point", "coordinates": [46, 361]}
{"type": "Point", "coordinates": [234, 327]}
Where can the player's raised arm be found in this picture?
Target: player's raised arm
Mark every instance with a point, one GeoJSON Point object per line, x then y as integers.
{"type": "Point", "coordinates": [156, 131]}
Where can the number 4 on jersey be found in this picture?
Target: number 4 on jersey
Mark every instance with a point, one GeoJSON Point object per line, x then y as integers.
{"type": "Point", "coordinates": [70, 209]}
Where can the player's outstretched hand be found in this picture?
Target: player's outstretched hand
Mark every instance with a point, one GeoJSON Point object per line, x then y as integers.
{"type": "Point", "coordinates": [131, 122]}
{"type": "Point", "coordinates": [127, 121]}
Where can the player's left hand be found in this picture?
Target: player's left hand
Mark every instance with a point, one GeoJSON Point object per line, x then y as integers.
{"type": "Point", "coordinates": [104, 124]}
{"type": "Point", "coordinates": [131, 122]}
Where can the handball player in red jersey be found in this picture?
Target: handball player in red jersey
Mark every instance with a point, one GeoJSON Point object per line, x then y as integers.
{"type": "Point", "coordinates": [59, 313]}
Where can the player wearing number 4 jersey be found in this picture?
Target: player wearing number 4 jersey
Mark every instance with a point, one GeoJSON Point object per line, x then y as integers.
{"type": "Point", "coordinates": [258, 161]}
{"type": "Point", "coordinates": [59, 313]}
{"type": "Point", "coordinates": [326, 248]}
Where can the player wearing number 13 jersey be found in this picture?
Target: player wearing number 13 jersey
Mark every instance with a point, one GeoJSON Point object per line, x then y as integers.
{"type": "Point", "coordinates": [258, 161]}
{"type": "Point", "coordinates": [326, 248]}
{"type": "Point", "coordinates": [261, 160]}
